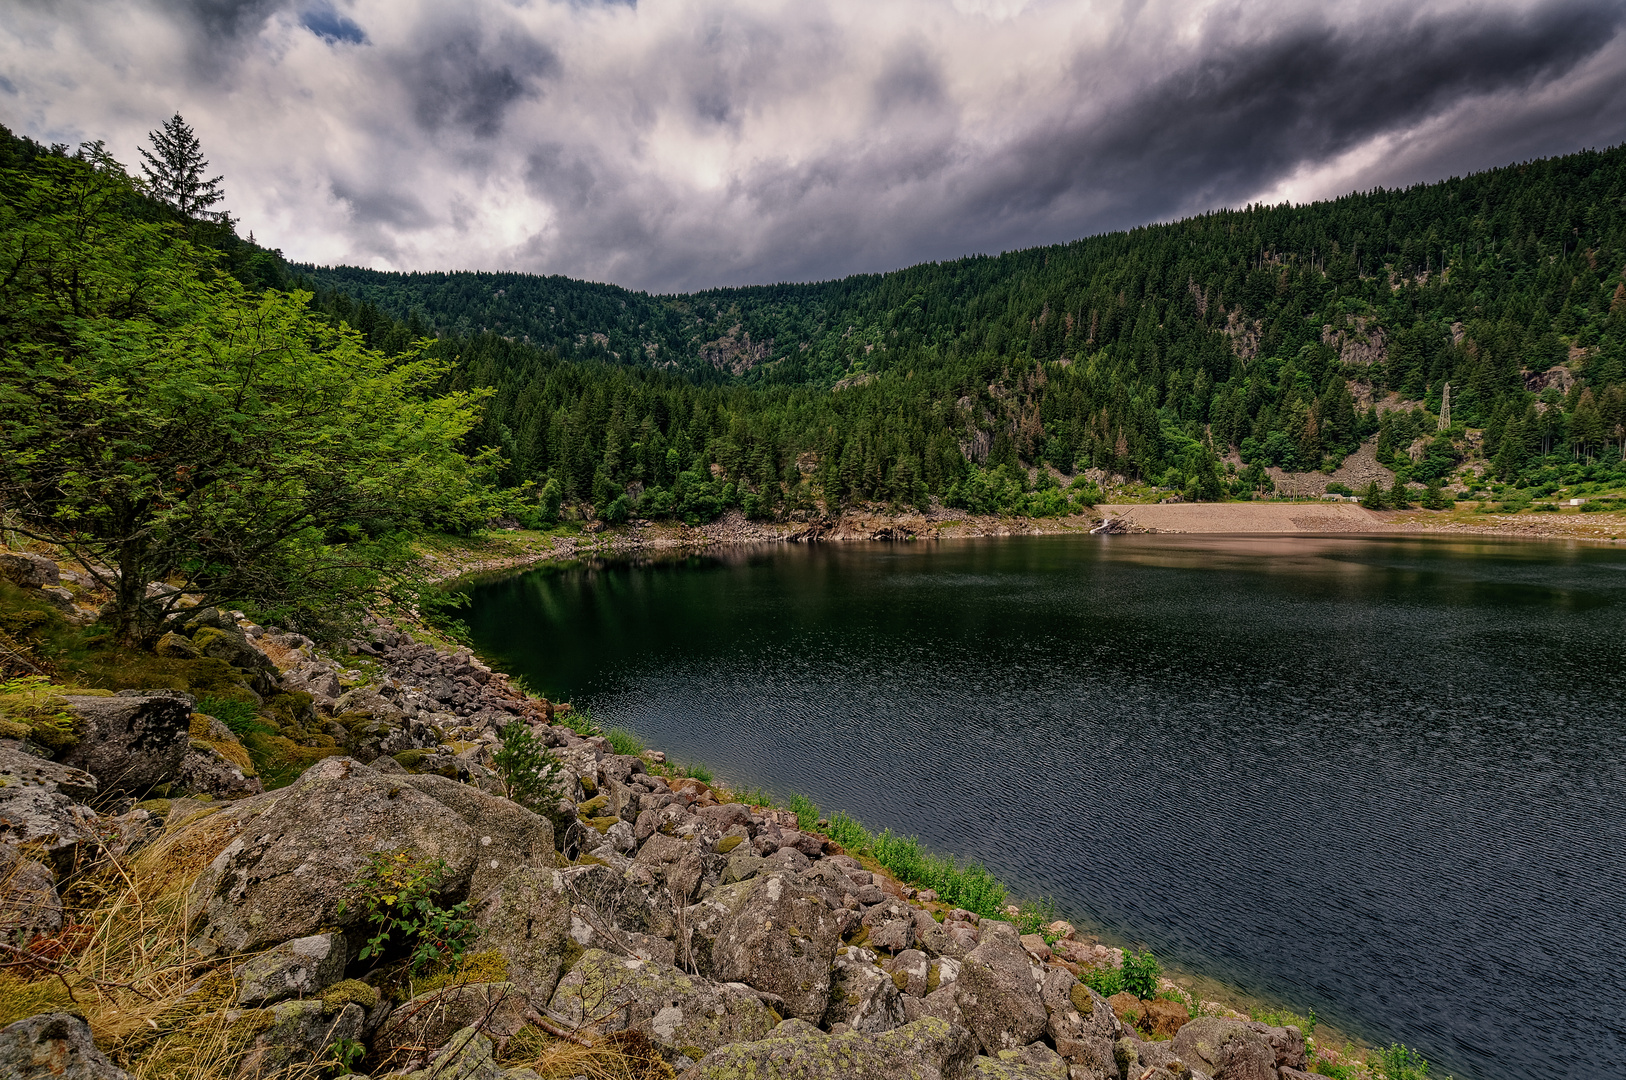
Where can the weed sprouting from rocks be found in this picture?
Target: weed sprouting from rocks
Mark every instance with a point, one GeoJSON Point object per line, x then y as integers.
{"type": "Point", "coordinates": [623, 741]}
{"type": "Point", "coordinates": [530, 774]}
{"type": "Point", "coordinates": [805, 809]}
{"type": "Point", "coordinates": [1140, 974]}
{"type": "Point", "coordinates": [399, 895]}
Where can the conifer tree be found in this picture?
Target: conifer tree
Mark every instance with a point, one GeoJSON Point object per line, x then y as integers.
{"type": "Point", "coordinates": [175, 168]}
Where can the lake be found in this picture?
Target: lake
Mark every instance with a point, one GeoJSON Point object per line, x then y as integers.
{"type": "Point", "coordinates": [1380, 777]}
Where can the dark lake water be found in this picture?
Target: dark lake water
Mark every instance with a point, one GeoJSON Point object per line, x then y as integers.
{"type": "Point", "coordinates": [1378, 777]}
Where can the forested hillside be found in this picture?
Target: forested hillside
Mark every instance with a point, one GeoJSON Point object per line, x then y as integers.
{"type": "Point", "coordinates": [1475, 320]}
{"type": "Point", "coordinates": [1285, 334]}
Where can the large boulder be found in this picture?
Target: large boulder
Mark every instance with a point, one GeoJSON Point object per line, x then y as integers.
{"type": "Point", "coordinates": [1152, 1061]}
{"type": "Point", "coordinates": [1287, 1042]}
{"type": "Point", "coordinates": [779, 937]}
{"type": "Point", "coordinates": [527, 921]}
{"type": "Point", "coordinates": [40, 803]}
{"type": "Point", "coordinates": [130, 742]}
{"type": "Point", "coordinates": [509, 836]}
{"type": "Point", "coordinates": [1225, 1049]}
{"type": "Point", "coordinates": [206, 771]}
{"type": "Point", "coordinates": [53, 1046]}
{"type": "Point", "coordinates": [292, 857]}
{"type": "Point", "coordinates": [677, 865]}
{"type": "Point", "coordinates": [27, 570]}
{"type": "Point", "coordinates": [1033, 1062]}
{"type": "Point", "coordinates": [432, 1019]}
{"type": "Point", "coordinates": [1080, 1023]}
{"type": "Point", "coordinates": [891, 926]}
{"type": "Point", "coordinates": [29, 903]}
{"type": "Point", "coordinates": [999, 991]}
{"type": "Point", "coordinates": [297, 968]}
{"type": "Point", "coordinates": [863, 996]}
{"type": "Point", "coordinates": [295, 1033]}
{"type": "Point", "coordinates": [928, 1049]}
{"type": "Point", "coordinates": [467, 1055]}
{"type": "Point", "coordinates": [684, 1013]}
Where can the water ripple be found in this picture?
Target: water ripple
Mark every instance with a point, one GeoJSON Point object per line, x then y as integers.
{"type": "Point", "coordinates": [1377, 777]}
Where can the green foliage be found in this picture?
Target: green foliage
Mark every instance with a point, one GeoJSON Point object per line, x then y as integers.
{"type": "Point", "coordinates": [1104, 981]}
{"type": "Point", "coordinates": [805, 809]}
{"type": "Point", "coordinates": [1118, 352]}
{"type": "Point", "coordinates": [1400, 1062]}
{"type": "Point", "coordinates": [245, 448]}
{"type": "Point", "coordinates": [697, 770]}
{"type": "Point", "coordinates": [579, 720]}
{"type": "Point", "coordinates": [1373, 497]}
{"type": "Point", "coordinates": [623, 741]}
{"type": "Point", "coordinates": [968, 885]}
{"type": "Point", "coordinates": [1140, 973]}
{"type": "Point", "coordinates": [1033, 916]}
{"type": "Point", "coordinates": [347, 1054]}
{"type": "Point", "coordinates": [847, 831]}
{"type": "Point", "coordinates": [398, 894]}
{"type": "Point", "coordinates": [1285, 1018]}
{"type": "Point", "coordinates": [530, 774]}
{"type": "Point", "coordinates": [241, 717]}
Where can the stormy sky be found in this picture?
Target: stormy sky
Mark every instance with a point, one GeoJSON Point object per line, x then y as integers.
{"type": "Point", "coordinates": [679, 144]}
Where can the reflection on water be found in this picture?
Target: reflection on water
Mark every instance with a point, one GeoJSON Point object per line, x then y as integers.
{"type": "Point", "coordinates": [1380, 777]}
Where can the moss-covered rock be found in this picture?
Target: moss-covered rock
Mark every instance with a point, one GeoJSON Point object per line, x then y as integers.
{"type": "Point", "coordinates": [675, 1009]}
{"type": "Point", "coordinates": [928, 1049]}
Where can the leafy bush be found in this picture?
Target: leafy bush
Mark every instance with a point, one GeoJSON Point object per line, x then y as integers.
{"type": "Point", "coordinates": [1034, 915]}
{"type": "Point", "coordinates": [1400, 1062]}
{"type": "Point", "coordinates": [398, 894]}
{"type": "Point", "coordinates": [1140, 973]}
{"type": "Point", "coordinates": [848, 831]}
{"type": "Point", "coordinates": [698, 770]}
{"type": "Point", "coordinates": [1104, 981]}
{"type": "Point", "coordinates": [1337, 488]}
{"type": "Point", "coordinates": [623, 741]}
{"type": "Point", "coordinates": [530, 774]}
{"type": "Point", "coordinates": [968, 885]}
{"type": "Point", "coordinates": [579, 720]}
{"type": "Point", "coordinates": [805, 809]}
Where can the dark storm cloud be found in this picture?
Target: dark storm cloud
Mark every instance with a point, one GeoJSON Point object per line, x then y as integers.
{"type": "Point", "coordinates": [458, 77]}
{"type": "Point", "coordinates": [230, 18]}
{"type": "Point", "coordinates": [676, 144]}
{"type": "Point", "coordinates": [1241, 114]}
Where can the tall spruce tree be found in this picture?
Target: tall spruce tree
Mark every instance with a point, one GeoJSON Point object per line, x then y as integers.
{"type": "Point", "coordinates": [175, 168]}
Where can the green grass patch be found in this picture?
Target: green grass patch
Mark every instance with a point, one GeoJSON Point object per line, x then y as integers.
{"type": "Point", "coordinates": [623, 741]}
{"type": "Point", "coordinates": [242, 718]}
{"type": "Point", "coordinates": [805, 809]}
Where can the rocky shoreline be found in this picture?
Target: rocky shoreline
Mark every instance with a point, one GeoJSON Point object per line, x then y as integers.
{"type": "Point", "coordinates": [638, 913]}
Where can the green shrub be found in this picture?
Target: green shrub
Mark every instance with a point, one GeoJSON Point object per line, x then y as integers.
{"type": "Point", "coordinates": [1400, 1062]}
{"type": "Point", "coordinates": [399, 895]}
{"type": "Point", "coordinates": [1140, 973]}
{"type": "Point", "coordinates": [579, 720]}
{"type": "Point", "coordinates": [805, 809]}
{"type": "Point", "coordinates": [623, 741]}
{"type": "Point", "coordinates": [1286, 1018]}
{"type": "Point", "coordinates": [848, 831]}
{"type": "Point", "coordinates": [968, 885]}
{"type": "Point", "coordinates": [530, 775]}
{"type": "Point", "coordinates": [1034, 915]}
{"type": "Point", "coordinates": [697, 770]}
{"type": "Point", "coordinates": [1104, 981]}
